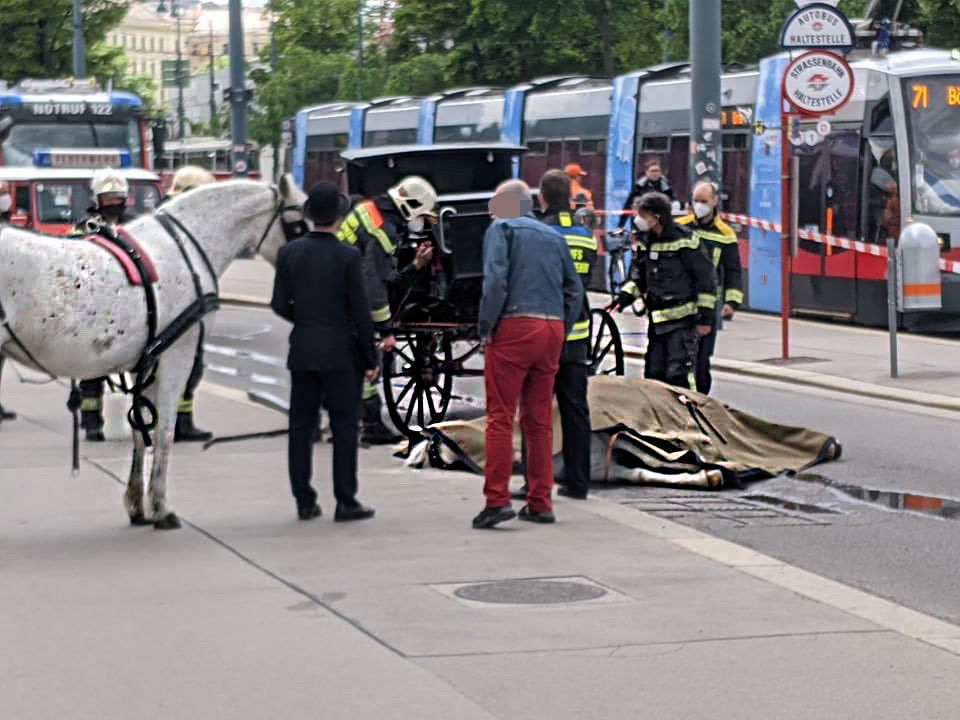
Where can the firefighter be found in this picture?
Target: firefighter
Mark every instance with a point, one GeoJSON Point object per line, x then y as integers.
{"type": "Point", "coordinates": [652, 180]}
{"type": "Point", "coordinates": [678, 284]}
{"type": "Point", "coordinates": [570, 386]}
{"type": "Point", "coordinates": [110, 191]}
{"type": "Point", "coordinates": [187, 178]}
{"type": "Point", "coordinates": [580, 197]}
{"type": "Point", "coordinates": [720, 242]}
{"type": "Point", "coordinates": [377, 227]}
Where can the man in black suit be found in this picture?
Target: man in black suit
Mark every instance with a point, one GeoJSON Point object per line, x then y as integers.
{"type": "Point", "coordinates": [319, 287]}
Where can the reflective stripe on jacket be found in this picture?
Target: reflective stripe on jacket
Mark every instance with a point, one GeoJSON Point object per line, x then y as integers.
{"type": "Point", "coordinates": [722, 247]}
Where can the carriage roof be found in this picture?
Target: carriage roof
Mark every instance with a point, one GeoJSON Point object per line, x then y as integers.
{"type": "Point", "coordinates": [389, 150]}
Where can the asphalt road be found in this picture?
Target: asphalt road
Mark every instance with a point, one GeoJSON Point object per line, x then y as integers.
{"type": "Point", "coordinates": [877, 543]}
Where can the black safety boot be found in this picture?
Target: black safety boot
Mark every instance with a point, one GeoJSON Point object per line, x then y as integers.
{"type": "Point", "coordinates": [92, 423]}
{"type": "Point", "coordinates": [7, 414]}
{"type": "Point", "coordinates": [186, 431]}
{"type": "Point", "coordinates": [373, 431]}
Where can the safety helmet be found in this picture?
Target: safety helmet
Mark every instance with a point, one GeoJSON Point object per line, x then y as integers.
{"type": "Point", "coordinates": [109, 182]}
{"type": "Point", "coordinates": [414, 197]}
{"type": "Point", "coordinates": [189, 177]}
{"type": "Point", "coordinates": [587, 217]}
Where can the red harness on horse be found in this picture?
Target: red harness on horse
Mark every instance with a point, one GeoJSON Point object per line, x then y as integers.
{"type": "Point", "coordinates": [126, 262]}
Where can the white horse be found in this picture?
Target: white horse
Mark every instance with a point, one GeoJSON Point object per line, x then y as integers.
{"type": "Point", "coordinates": [70, 304]}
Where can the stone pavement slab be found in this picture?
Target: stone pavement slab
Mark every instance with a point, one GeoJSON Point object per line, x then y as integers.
{"type": "Point", "coordinates": [248, 613]}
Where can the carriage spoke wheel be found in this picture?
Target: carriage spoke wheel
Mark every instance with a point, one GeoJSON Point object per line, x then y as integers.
{"type": "Point", "coordinates": [606, 345]}
{"type": "Point", "coordinates": [418, 380]}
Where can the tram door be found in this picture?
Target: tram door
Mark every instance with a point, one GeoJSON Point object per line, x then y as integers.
{"type": "Point", "coordinates": [824, 277]}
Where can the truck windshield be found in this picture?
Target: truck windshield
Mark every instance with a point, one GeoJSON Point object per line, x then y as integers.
{"type": "Point", "coordinates": [27, 136]}
{"type": "Point", "coordinates": [933, 127]}
{"type": "Point", "coordinates": [67, 201]}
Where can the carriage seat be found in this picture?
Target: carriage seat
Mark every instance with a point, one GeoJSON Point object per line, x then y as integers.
{"type": "Point", "coordinates": [120, 248]}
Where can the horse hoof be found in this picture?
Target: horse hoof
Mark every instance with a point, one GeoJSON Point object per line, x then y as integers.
{"type": "Point", "coordinates": [169, 522]}
{"type": "Point", "coordinates": [139, 519]}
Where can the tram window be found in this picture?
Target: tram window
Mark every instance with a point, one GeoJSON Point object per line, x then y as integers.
{"type": "Point", "coordinates": [592, 147]}
{"type": "Point", "coordinates": [734, 141]}
{"type": "Point", "coordinates": [883, 191]}
{"type": "Point", "coordinates": [736, 179]}
{"type": "Point", "coordinates": [677, 164]}
{"type": "Point", "coordinates": [829, 182]}
{"type": "Point", "coordinates": [536, 148]}
{"type": "Point", "coordinates": [655, 144]}
{"type": "Point", "coordinates": [22, 198]}
{"type": "Point", "coordinates": [880, 121]}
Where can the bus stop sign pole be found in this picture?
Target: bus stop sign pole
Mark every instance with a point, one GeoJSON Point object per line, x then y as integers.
{"type": "Point", "coordinates": [786, 248]}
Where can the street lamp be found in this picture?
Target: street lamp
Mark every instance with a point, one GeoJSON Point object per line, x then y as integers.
{"type": "Point", "coordinates": [176, 12]}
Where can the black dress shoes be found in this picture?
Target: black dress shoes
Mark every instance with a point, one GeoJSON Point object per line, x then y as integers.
{"type": "Point", "coordinates": [520, 493]}
{"type": "Point", "coordinates": [309, 513]}
{"type": "Point", "coordinates": [347, 513]}
{"type": "Point", "coordinates": [7, 414]}
{"type": "Point", "coordinates": [491, 517]}
{"type": "Point", "coordinates": [565, 491]}
{"type": "Point", "coordinates": [546, 517]}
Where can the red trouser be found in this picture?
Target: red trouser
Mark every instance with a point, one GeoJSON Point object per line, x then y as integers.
{"type": "Point", "coordinates": [520, 365]}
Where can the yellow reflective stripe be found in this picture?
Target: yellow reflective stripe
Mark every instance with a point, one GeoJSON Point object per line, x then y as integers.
{"type": "Point", "coordinates": [581, 241]}
{"type": "Point", "coordinates": [371, 227]}
{"type": "Point", "coordinates": [717, 254]}
{"type": "Point", "coordinates": [348, 229]}
{"type": "Point", "coordinates": [691, 381]}
{"type": "Point", "coordinates": [580, 331]}
{"type": "Point", "coordinates": [630, 288]}
{"type": "Point", "coordinates": [369, 390]}
{"type": "Point", "coordinates": [733, 295]}
{"type": "Point", "coordinates": [690, 243]}
{"type": "Point", "coordinates": [565, 219]}
{"type": "Point", "coordinates": [94, 404]}
{"type": "Point", "coordinates": [721, 238]}
{"type": "Point", "coordinates": [707, 300]}
{"type": "Point", "coordinates": [185, 406]}
{"type": "Point", "coordinates": [674, 313]}
{"type": "Point", "coordinates": [381, 315]}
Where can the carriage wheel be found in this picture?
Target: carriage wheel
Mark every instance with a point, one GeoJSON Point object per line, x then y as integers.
{"type": "Point", "coordinates": [418, 380]}
{"type": "Point", "coordinates": [606, 346]}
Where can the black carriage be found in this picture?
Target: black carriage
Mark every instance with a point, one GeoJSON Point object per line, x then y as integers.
{"type": "Point", "coordinates": [435, 321]}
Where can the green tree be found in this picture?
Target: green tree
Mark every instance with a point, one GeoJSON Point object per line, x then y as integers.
{"type": "Point", "coordinates": [145, 87]}
{"type": "Point", "coordinates": [940, 22]}
{"type": "Point", "coordinates": [38, 37]}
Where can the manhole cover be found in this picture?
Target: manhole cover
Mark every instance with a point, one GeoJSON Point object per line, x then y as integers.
{"type": "Point", "coordinates": [530, 592]}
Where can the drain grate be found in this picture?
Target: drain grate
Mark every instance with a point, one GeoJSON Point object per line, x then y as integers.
{"type": "Point", "coordinates": [530, 592]}
{"type": "Point", "coordinates": [719, 512]}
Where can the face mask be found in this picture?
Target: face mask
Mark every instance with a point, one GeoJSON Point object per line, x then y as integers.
{"type": "Point", "coordinates": [6, 202]}
{"type": "Point", "coordinates": [640, 224]}
{"type": "Point", "coordinates": [702, 210]}
{"type": "Point", "coordinates": [415, 225]}
{"type": "Point", "coordinates": [113, 213]}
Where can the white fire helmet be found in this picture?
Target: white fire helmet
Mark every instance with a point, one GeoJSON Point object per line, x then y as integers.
{"type": "Point", "coordinates": [109, 182]}
{"type": "Point", "coordinates": [414, 198]}
{"type": "Point", "coordinates": [189, 177]}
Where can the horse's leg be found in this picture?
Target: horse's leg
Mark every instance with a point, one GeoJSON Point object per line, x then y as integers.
{"type": "Point", "coordinates": [172, 374]}
{"type": "Point", "coordinates": [133, 498]}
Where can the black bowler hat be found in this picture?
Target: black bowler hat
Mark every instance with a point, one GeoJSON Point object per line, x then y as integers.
{"type": "Point", "coordinates": [325, 203]}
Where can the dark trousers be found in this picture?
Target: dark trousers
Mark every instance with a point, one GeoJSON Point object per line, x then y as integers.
{"type": "Point", "coordinates": [571, 391]}
{"type": "Point", "coordinates": [91, 403]}
{"type": "Point", "coordinates": [704, 353]}
{"type": "Point", "coordinates": [339, 392]}
{"type": "Point", "coordinates": [671, 357]}
{"type": "Point", "coordinates": [196, 374]}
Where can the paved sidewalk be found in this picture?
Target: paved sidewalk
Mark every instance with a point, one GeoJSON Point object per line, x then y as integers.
{"type": "Point", "coordinates": [247, 613]}
{"type": "Point", "coordinates": [832, 355]}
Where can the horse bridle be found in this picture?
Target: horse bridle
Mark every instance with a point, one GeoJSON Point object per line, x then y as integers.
{"type": "Point", "coordinates": [291, 229]}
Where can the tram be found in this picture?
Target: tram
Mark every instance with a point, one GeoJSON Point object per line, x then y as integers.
{"type": "Point", "coordinates": [891, 156]}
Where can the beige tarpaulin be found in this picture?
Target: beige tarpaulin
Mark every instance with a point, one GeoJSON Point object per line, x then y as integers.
{"type": "Point", "coordinates": [644, 423]}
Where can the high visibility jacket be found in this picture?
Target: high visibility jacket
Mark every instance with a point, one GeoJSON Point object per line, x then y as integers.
{"type": "Point", "coordinates": [577, 189]}
{"type": "Point", "coordinates": [677, 280]}
{"type": "Point", "coordinates": [722, 247]}
{"type": "Point", "coordinates": [583, 251]}
{"type": "Point", "coordinates": [374, 229]}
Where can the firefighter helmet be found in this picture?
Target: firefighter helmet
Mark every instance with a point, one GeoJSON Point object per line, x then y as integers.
{"type": "Point", "coordinates": [109, 182]}
{"type": "Point", "coordinates": [189, 177]}
{"type": "Point", "coordinates": [414, 197]}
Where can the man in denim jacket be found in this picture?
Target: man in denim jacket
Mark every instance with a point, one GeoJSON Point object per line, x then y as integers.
{"type": "Point", "coordinates": [531, 298]}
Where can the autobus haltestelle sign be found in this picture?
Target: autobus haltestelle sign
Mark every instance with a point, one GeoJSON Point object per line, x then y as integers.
{"type": "Point", "coordinates": [818, 82]}
{"type": "Point", "coordinates": [817, 25]}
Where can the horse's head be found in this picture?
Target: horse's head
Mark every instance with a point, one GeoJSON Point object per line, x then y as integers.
{"type": "Point", "coordinates": [291, 220]}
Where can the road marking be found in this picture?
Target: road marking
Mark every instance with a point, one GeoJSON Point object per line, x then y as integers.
{"type": "Point", "coordinates": [229, 393]}
{"type": "Point", "coordinates": [861, 604]}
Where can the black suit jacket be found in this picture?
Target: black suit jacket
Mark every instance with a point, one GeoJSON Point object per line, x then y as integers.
{"type": "Point", "coordinates": [319, 287]}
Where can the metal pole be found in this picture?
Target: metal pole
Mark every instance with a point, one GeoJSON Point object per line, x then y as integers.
{"type": "Point", "coordinates": [360, 50]}
{"type": "Point", "coordinates": [238, 93]}
{"type": "Point", "coordinates": [892, 304]}
{"type": "Point", "coordinates": [705, 127]}
{"type": "Point", "coordinates": [79, 47]}
{"type": "Point", "coordinates": [181, 132]}
{"type": "Point", "coordinates": [273, 68]}
{"type": "Point", "coordinates": [785, 234]}
{"type": "Point", "coordinates": [213, 82]}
